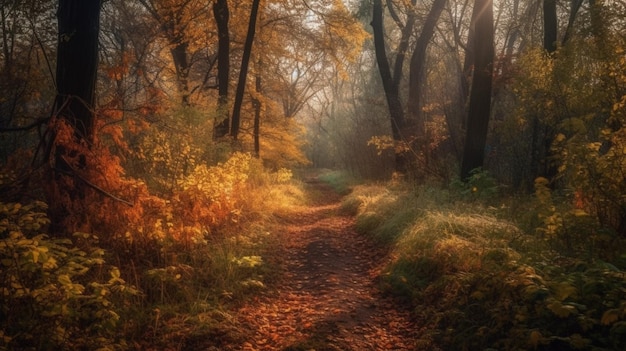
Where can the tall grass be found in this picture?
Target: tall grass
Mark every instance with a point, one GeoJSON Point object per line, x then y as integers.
{"type": "Point", "coordinates": [477, 279]}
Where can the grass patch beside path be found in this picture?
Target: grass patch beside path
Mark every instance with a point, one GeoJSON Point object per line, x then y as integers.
{"type": "Point", "coordinates": [340, 181]}
{"type": "Point", "coordinates": [478, 280]}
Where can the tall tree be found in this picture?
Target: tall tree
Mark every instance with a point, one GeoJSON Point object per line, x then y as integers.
{"type": "Point", "coordinates": [575, 7]}
{"type": "Point", "coordinates": [392, 94]}
{"type": "Point", "coordinates": [221, 14]}
{"type": "Point", "coordinates": [77, 63]}
{"type": "Point", "coordinates": [418, 61]}
{"type": "Point", "coordinates": [256, 101]}
{"type": "Point", "coordinates": [480, 95]}
{"type": "Point", "coordinates": [550, 26]}
{"type": "Point", "coordinates": [174, 19]}
{"type": "Point", "coordinates": [243, 73]}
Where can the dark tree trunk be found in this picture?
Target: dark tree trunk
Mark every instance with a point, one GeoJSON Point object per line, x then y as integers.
{"type": "Point", "coordinates": [169, 17]}
{"type": "Point", "coordinates": [77, 63]}
{"type": "Point", "coordinates": [243, 73]}
{"type": "Point", "coordinates": [468, 66]}
{"type": "Point", "coordinates": [418, 61]}
{"type": "Point", "coordinates": [221, 14]}
{"type": "Point", "coordinates": [550, 26]}
{"type": "Point", "coordinates": [480, 95]}
{"type": "Point", "coordinates": [257, 115]}
{"type": "Point", "coordinates": [391, 89]}
{"type": "Point", "coordinates": [181, 62]}
{"type": "Point", "coordinates": [572, 17]}
{"type": "Point", "coordinates": [403, 46]}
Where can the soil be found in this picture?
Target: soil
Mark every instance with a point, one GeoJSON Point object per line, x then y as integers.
{"type": "Point", "coordinates": [328, 296]}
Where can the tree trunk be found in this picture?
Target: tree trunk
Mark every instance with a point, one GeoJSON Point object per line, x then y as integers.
{"type": "Point", "coordinates": [418, 61]}
{"type": "Point", "coordinates": [403, 46]}
{"type": "Point", "coordinates": [257, 114]}
{"type": "Point", "coordinates": [181, 62]}
{"type": "Point", "coordinates": [549, 26]}
{"type": "Point", "coordinates": [221, 14]}
{"type": "Point", "coordinates": [391, 89]}
{"type": "Point", "coordinates": [468, 66]}
{"type": "Point", "coordinates": [77, 63]}
{"type": "Point", "coordinates": [169, 17]}
{"type": "Point", "coordinates": [480, 95]}
{"type": "Point", "coordinates": [572, 17]}
{"type": "Point", "coordinates": [243, 73]}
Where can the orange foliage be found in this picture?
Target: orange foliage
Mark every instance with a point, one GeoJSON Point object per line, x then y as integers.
{"type": "Point", "coordinates": [119, 70]}
{"type": "Point", "coordinates": [122, 211]}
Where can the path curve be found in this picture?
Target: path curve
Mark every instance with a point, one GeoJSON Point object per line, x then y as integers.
{"type": "Point", "coordinates": [328, 297]}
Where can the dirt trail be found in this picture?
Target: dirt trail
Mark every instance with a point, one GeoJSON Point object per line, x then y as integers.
{"type": "Point", "coordinates": [328, 299]}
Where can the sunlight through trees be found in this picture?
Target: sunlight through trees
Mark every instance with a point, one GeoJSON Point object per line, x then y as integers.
{"type": "Point", "coordinates": [155, 156]}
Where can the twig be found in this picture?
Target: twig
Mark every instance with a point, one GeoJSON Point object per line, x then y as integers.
{"type": "Point", "coordinates": [37, 123]}
{"type": "Point", "coordinates": [90, 184]}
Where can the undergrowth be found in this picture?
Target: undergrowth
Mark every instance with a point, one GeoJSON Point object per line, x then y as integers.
{"type": "Point", "coordinates": [481, 273]}
{"type": "Point", "coordinates": [162, 274]}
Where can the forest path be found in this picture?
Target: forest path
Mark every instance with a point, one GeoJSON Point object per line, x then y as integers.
{"type": "Point", "coordinates": [327, 298]}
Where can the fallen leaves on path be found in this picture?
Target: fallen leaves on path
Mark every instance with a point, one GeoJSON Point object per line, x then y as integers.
{"type": "Point", "coordinates": [327, 299]}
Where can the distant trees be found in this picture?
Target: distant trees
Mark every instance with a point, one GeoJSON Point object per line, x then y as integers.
{"type": "Point", "coordinates": [404, 130]}
{"type": "Point", "coordinates": [26, 82]}
{"type": "Point", "coordinates": [526, 110]}
{"type": "Point", "coordinates": [178, 22]}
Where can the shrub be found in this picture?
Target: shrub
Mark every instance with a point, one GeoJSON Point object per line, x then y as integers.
{"type": "Point", "coordinates": [477, 281]}
{"type": "Point", "coordinates": [54, 295]}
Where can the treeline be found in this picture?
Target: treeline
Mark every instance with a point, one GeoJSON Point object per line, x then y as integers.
{"type": "Point", "coordinates": [556, 112]}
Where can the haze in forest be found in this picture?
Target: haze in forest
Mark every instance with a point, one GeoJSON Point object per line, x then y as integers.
{"type": "Point", "coordinates": [157, 156]}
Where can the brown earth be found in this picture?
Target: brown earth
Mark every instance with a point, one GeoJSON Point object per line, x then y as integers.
{"type": "Point", "coordinates": [328, 296]}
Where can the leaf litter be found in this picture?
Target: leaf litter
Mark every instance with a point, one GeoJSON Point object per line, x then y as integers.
{"type": "Point", "coordinates": [327, 298]}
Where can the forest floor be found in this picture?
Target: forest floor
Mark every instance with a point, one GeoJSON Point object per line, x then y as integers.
{"type": "Point", "coordinates": [327, 296]}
